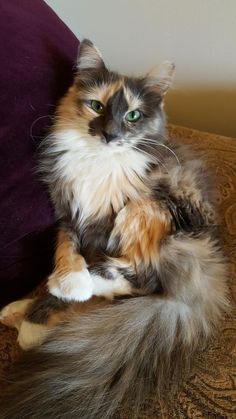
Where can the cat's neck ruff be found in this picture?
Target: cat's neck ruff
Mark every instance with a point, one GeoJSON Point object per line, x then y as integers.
{"type": "Point", "coordinates": [101, 177]}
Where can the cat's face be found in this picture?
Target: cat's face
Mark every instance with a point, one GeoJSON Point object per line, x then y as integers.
{"type": "Point", "coordinates": [116, 111]}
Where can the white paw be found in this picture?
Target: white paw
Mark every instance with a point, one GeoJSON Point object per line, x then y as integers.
{"type": "Point", "coordinates": [109, 288]}
{"type": "Point", "coordinates": [12, 314]}
{"type": "Point", "coordinates": [76, 286]}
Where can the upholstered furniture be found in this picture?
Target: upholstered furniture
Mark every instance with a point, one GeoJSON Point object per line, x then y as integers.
{"type": "Point", "coordinates": [37, 53]}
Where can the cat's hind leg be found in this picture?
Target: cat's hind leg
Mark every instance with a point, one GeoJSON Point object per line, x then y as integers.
{"type": "Point", "coordinates": [13, 314]}
{"type": "Point", "coordinates": [33, 318]}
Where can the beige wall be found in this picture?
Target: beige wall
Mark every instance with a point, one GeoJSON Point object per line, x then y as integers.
{"type": "Point", "coordinates": [198, 35]}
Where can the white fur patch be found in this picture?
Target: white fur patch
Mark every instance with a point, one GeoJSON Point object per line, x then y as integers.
{"type": "Point", "coordinates": [76, 286]}
{"type": "Point", "coordinates": [134, 101]}
{"type": "Point", "coordinates": [81, 286]}
{"type": "Point", "coordinates": [99, 176]}
{"type": "Point", "coordinates": [110, 288]}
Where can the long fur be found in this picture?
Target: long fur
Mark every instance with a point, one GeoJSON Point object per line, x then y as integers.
{"type": "Point", "coordinates": [91, 366]}
{"type": "Point", "coordinates": [138, 219]}
{"type": "Point", "coordinates": [94, 363]}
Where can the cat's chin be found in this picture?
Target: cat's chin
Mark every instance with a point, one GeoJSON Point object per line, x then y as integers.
{"type": "Point", "coordinates": [114, 147]}
{"type": "Point", "coordinates": [113, 144]}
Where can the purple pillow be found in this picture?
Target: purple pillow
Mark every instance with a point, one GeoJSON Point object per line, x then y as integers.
{"type": "Point", "coordinates": [37, 54]}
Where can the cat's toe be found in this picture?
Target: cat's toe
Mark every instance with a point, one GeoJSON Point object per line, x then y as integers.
{"type": "Point", "coordinates": [75, 286]}
{"type": "Point", "coordinates": [13, 314]}
{"type": "Point", "coordinates": [31, 334]}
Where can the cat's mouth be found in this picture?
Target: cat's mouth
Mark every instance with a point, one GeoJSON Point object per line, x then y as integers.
{"type": "Point", "coordinates": [111, 139]}
{"type": "Point", "coordinates": [115, 142]}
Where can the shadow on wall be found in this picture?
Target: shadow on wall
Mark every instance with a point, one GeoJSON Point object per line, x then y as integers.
{"type": "Point", "coordinates": [206, 109]}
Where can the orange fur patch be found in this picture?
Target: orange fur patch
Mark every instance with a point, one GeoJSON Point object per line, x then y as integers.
{"type": "Point", "coordinates": [72, 116]}
{"type": "Point", "coordinates": [67, 259]}
{"type": "Point", "coordinates": [142, 226]}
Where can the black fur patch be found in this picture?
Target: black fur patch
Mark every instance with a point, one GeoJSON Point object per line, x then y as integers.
{"type": "Point", "coordinates": [186, 216]}
{"type": "Point", "coordinates": [96, 126]}
{"type": "Point", "coordinates": [102, 270]}
{"type": "Point", "coordinates": [150, 97]}
{"type": "Point", "coordinates": [147, 280]}
{"type": "Point", "coordinates": [111, 121]}
{"type": "Point", "coordinates": [41, 309]}
{"type": "Point", "coordinates": [91, 78]}
{"type": "Point", "coordinates": [94, 238]}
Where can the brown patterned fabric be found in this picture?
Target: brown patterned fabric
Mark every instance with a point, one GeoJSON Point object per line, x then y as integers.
{"type": "Point", "coordinates": [210, 391]}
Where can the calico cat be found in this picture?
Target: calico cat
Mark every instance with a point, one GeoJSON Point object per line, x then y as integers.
{"type": "Point", "coordinates": [138, 227]}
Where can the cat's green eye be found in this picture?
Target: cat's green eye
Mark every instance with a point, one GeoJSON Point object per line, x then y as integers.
{"type": "Point", "coordinates": [133, 116]}
{"type": "Point", "coordinates": [97, 106]}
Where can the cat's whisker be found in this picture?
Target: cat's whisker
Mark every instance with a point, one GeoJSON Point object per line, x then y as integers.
{"type": "Point", "coordinates": [152, 147]}
{"type": "Point", "coordinates": [172, 152]}
{"type": "Point", "coordinates": [156, 144]}
{"type": "Point", "coordinates": [155, 159]}
{"type": "Point", "coordinates": [33, 124]}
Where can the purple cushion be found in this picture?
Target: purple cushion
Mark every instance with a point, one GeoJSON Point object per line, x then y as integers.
{"type": "Point", "coordinates": [37, 54]}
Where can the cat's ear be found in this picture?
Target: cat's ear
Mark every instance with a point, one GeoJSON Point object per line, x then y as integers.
{"type": "Point", "coordinates": [89, 57]}
{"type": "Point", "coordinates": [162, 76]}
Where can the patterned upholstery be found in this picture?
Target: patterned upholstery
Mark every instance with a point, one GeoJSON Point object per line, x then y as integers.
{"type": "Point", "coordinates": [210, 390]}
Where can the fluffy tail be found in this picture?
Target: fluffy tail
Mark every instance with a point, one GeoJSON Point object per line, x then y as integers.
{"type": "Point", "coordinates": [92, 365]}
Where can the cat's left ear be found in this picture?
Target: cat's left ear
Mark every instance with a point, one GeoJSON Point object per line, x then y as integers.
{"type": "Point", "coordinates": [162, 76]}
{"type": "Point", "coordinates": [89, 56]}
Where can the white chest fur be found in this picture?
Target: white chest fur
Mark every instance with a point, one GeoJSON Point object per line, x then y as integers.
{"type": "Point", "coordinates": [99, 176]}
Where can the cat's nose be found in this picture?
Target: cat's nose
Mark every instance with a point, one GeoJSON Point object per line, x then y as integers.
{"type": "Point", "coordinates": [108, 137]}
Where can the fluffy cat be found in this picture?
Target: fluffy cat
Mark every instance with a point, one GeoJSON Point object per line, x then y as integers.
{"type": "Point", "coordinates": [137, 220]}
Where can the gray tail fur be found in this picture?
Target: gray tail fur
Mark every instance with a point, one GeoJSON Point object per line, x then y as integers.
{"type": "Point", "coordinates": [92, 365]}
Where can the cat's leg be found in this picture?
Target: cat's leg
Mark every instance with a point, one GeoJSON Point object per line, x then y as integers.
{"type": "Point", "coordinates": [13, 314]}
{"type": "Point", "coordinates": [34, 318]}
{"type": "Point", "coordinates": [40, 319]}
{"type": "Point", "coordinates": [139, 230]}
{"type": "Point", "coordinates": [70, 280]}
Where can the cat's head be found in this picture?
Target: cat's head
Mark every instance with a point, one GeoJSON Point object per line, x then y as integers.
{"type": "Point", "coordinates": [113, 110]}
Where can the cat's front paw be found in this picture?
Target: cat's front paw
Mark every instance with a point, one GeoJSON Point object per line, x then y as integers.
{"type": "Point", "coordinates": [74, 286]}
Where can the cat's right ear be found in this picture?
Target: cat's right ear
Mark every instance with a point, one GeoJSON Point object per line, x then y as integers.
{"type": "Point", "coordinates": [89, 56]}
